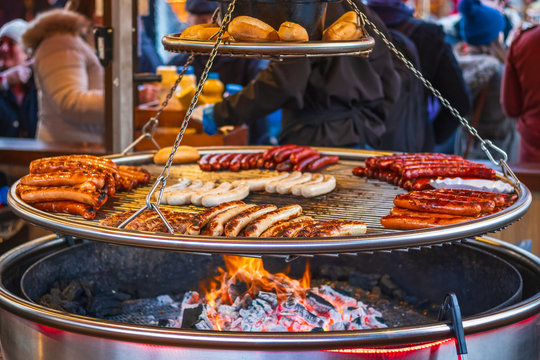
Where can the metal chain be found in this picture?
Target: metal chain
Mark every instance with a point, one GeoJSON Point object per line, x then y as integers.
{"type": "Point", "coordinates": [484, 144]}
{"type": "Point", "coordinates": [149, 128]}
{"type": "Point", "coordinates": [162, 179]}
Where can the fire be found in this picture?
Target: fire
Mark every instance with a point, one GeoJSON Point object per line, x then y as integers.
{"type": "Point", "coordinates": [246, 297]}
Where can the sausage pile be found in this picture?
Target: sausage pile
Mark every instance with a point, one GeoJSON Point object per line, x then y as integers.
{"type": "Point", "coordinates": [415, 171]}
{"type": "Point", "coordinates": [281, 158]}
{"type": "Point", "coordinates": [236, 218]}
{"type": "Point", "coordinates": [76, 184]}
{"type": "Point", "coordinates": [429, 208]}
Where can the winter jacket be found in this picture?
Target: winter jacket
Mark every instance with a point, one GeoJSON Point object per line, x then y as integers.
{"type": "Point", "coordinates": [520, 95]}
{"type": "Point", "coordinates": [69, 79]}
{"type": "Point", "coordinates": [332, 101]}
{"type": "Point", "coordinates": [19, 120]}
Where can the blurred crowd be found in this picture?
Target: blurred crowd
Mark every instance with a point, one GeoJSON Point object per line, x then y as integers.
{"type": "Point", "coordinates": [483, 59]}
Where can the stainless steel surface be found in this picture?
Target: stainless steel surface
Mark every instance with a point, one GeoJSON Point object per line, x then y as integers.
{"type": "Point", "coordinates": [355, 199]}
{"type": "Point", "coordinates": [275, 50]}
{"type": "Point", "coordinates": [30, 331]}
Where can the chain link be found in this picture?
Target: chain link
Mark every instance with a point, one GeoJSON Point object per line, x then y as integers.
{"type": "Point", "coordinates": [484, 144]}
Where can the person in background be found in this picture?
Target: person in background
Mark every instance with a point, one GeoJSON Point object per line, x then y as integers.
{"type": "Point", "coordinates": [18, 94]}
{"type": "Point", "coordinates": [520, 91]}
{"type": "Point", "coordinates": [482, 58]}
{"type": "Point", "coordinates": [331, 101]}
{"type": "Point", "coordinates": [437, 63]}
{"type": "Point", "coordinates": [68, 75]}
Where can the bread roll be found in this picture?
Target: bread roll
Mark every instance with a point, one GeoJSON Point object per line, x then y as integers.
{"type": "Point", "coordinates": [347, 27]}
{"type": "Point", "coordinates": [289, 31]}
{"type": "Point", "coordinates": [247, 28]}
{"type": "Point", "coordinates": [184, 154]}
{"type": "Point", "coordinates": [202, 32]}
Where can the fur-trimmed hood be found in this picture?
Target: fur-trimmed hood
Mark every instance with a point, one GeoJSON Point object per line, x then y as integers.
{"type": "Point", "coordinates": [54, 22]}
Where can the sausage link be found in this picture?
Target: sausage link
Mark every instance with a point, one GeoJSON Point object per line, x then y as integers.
{"type": "Point", "coordinates": [297, 157]}
{"type": "Point", "coordinates": [303, 164]}
{"type": "Point", "coordinates": [204, 162]}
{"type": "Point", "coordinates": [67, 207]}
{"type": "Point", "coordinates": [285, 154]}
{"type": "Point", "coordinates": [236, 162]}
{"type": "Point", "coordinates": [452, 207]}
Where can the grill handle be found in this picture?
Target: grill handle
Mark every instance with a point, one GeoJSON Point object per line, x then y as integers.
{"type": "Point", "coordinates": [450, 311]}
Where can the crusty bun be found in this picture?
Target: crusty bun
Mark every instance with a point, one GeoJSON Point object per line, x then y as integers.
{"type": "Point", "coordinates": [202, 32]}
{"type": "Point", "coordinates": [347, 27]}
{"type": "Point", "coordinates": [289, 31]}
{"type": "Point", "coordinates": [184, 154]}
{"type": "Point", "coordinates": [247, 28]}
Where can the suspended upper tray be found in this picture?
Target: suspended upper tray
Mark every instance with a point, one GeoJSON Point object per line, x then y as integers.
{"type": "Point", "coordinates": [278, 50]}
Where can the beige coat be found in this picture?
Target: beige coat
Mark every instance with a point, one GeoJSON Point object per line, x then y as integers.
{"type": "Point", "coordinates": [69, 79]}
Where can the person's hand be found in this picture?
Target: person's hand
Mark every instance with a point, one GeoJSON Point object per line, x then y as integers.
{"type": "Point", "coordinates": [19, 74]}
{"type": "Point", "coordinates": [148, 93]}
{"type": "Point", "coordinates": [205, 114]}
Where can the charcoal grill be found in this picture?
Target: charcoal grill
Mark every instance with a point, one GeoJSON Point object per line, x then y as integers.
{"type": "Point", "coordinates": [354, 199]}
{"type": "Point", "coordinates": [499, 321]}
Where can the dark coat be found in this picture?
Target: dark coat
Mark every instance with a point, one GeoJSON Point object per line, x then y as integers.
{"type": "Point", "coordinates": [333, 101]}
{"type": "Point", "coordinates": [19, 120]}
{"type": "Point", "coordinates": [438, 64]}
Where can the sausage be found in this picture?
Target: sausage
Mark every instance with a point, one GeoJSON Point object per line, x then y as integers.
{"type": "Point", "coordinates": [315, 179]}
{"type": "Point", "coordinates": [420, 184]}
{"type": "Point", "coordinates": [284, 154]}
{"type": "Point", "coordinates": [297, 157]}
{"type": "Point", "coordinates": [398, 166]}
{"type": "Point", "coordinates": [269, 154]}
{"type": "Point", "coordinates": [142, 219]}
{"type": "Point", "coordinates": [412, 221]}
{"type": "Point", "coordinates": [387, 161]}
{"type": "Point", "coordinates": [88, 160]}
{"type": "Point", "coordinates": [339, 228]}
{"type": "Point", "coordinates": [402, 211]}
{"type": "Point", "coordinates": [302, 164]}
{"type": "Point", "coordinates": [359, 171]}
{"type": "Point", "coordinates": [257, 227]}
{"type": "Point", "coordinates": [141, 175]}
{"type": "Point", "coordinates": [474, 171]}
{"type": "Point", "coordinates": [71, 164]}
{"type": "Point", "coordinates": [270, 187]}
{"type": "Point", "coordinates": [269, 165]}
{"type": "Point", "coordinates": [260, 162]}
{"type": "Point", "coordinates": [235, 163]}
{"type": "Point", "coordinates": [204, 162]}
{"type": "Point", "coordinates": [500, 199]}
{"type": "Point", "coordinates": [239, 192]}
{"type": "Point", "coordinates": [35, 194]}
{"type": "Point", "coordinates": [245, 161]}
{"type": "Point", "coordinates": [284, 186]}
{"type": "Point", "coordinates": [215, 161]}
{"type": "Point", "coordinates": [452, 207]}
{"type": "Point", "coordinates": [322, 162]}
{"type": "Point", "coordinates": [176, 219]}
{"type": "Point", "coordinates": [182, 197]}
{"type": "Point", "coordinates": [239, 222]}
{"type": "Point", "coordinates": [67, 207]}
{"type": "Point", "coordinates": [215, 226]}
{"type": "Point", "coordinates": [324, 187]}
{"type": "Point", "coordinates": [182, 184]}
{"type": "Point", "coordinates": [254, 161]}
{"type": "Point", "coordinates": [64, 178]}
{"type": "Point", "coordinates": [225, 160]}
{"type": "Point", "coordinates": [196, 197]}
{"type": "Point", "coordinates": [281, 226]}
{"type": "Point", "coordinates": [284, 166]}
{"type": "Point", "coordinates": [259, 184]}
{"type": "Point", "coordinates": [487, 205]}
{"type": "Point", "coordinates": [197, 222]}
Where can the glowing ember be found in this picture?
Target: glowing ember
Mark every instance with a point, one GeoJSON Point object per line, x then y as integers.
{"type": "Point", "coordinates": [246, 297]}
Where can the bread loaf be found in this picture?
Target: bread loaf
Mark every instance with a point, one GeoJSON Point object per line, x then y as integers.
{"type": "Point", "coordinates": [289, 31]}
{"type": "Point", "coordinates": [347, 27]}
{"type": "Point", "coordinates": [184, 154]}
{"type": "Point", "coordinates": [247, 28]}
{"type": "Point", "coordinates": [203, 32]}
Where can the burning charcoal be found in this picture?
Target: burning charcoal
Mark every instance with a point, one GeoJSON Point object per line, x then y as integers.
{"type": "Point", "coordinates": [204, 323]}
{"type": "Point", "coordinates": [317, 329]}
{"type": "Point", "coordinates": [269, 297]}
{"type": "Point", "coordinates": [319, 304]}
{"type": "Point", "coordinates": [294, 307]}
{"type": "Point", "coordinates": [72, 291]}
{"type": "Point", "coordinates": [164, 300]}
{"type": "Point", "coordinates": [190, 316]}
{"type": "Point", "coordinates": [190, 297]}
{"type": "Point", "coordinates": [163, 322]}
{"type": "Point", "coordinates": [364, 281]}
{"type": "Point", "coordinates": [246, 301]}
{"type": "Point", "coordinates": [341, 326]}
{"type": "Point", "coordinates": [105, 306]}
{"type": "Point", "coordinates": [237, 290]}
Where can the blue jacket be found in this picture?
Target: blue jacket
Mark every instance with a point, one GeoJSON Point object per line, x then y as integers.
{"type": "Point", "coordinates": [19, 120]}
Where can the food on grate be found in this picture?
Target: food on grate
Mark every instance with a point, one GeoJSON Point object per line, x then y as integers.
{"type": "Point", "coordinates": [184, 154]}
{"type": "Point", "coordinates": [428, 208]}
{"type": "Point", "coordinates": [196, 198]}
{"type": "Point", "coordinates": [347, 27]}
{"type": "Point", "coordinates": [181, 196]}
{"type": "Point", "coordinates": [240, 221]}
{"type": "Point", "coordinates": [200, 220]}
{"type": "Point", "coordinates": [260, 183]}
{"type": "Point", "coordinates": [327, 185]}
{"type": "Point", "coordinates": [282, 158]}
{"type": "Point", "coordinates": [247, 28]}
{"type": "Point", "coordinates": [260, 225]}
{"type": "Point", "coordinates": [202, 32]}
{"type": "Point", "coordinates": [76, 184]}
{"type": "Point", "coordinates": [284, 186]}
{"type": "Point", "coordinates": [289, 31]}
{"type": "Point", "coordinates": [238, 192]}
{"type": "Point", "coordinates": [271, 186]}
{"type": "Point", "coordinates": [415, 171]}
{"type": "Point", "coordinates": [216, 225]}
{"type": "Point", "coordinates": [274, 230]}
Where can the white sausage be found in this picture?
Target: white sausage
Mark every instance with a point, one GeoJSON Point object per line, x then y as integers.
{"type": "Point", "coordinates": [239, 192]}
{"type": "Point", "coordinates": [181, 185]}
{"type": "Point", "coordinates": [324, 187]}
{"type": "Point", "coordinates": [315, 179]}
{"type": "Point", "coordinates": [183, 197]}
{"type": "Point", "coordinates": [270, 187]}
{"type": "Point", "coordinates": [196, 198]}
{"type": "Point", "coordinates": [260, 183]}
{"type": "Point", "coordinates": [285, 186]}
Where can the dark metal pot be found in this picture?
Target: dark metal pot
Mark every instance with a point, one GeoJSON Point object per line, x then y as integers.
{"type": "Point", "coordinates": [308, 13]}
